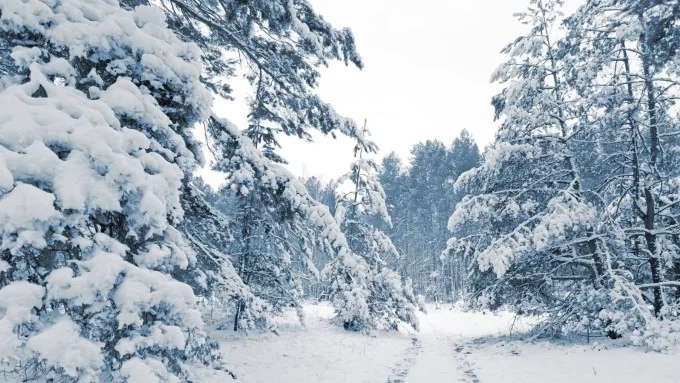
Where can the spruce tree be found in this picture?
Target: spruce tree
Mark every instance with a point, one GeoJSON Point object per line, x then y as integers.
{"type": "Point", "coordinates": [389, 299]}
{"type": "Point", "coordinates": [95, 147]}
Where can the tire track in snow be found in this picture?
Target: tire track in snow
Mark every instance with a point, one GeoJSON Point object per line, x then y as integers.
{"type": "Point", "coordinates": [400, 371]}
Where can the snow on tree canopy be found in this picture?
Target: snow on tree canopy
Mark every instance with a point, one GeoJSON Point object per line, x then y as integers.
{"type": "Point", "coordinates": [389, 299]}
{"type": "Point", "coordinates": [249, 168]}
{"type": "Point", "coordinates": [283, 44]}
{"type": "Point", "coordinates": [528, 214]}
{"type": "Point", "coordinates": [94, 146]}
{"type": "Point", "coordinates": [573, 214]}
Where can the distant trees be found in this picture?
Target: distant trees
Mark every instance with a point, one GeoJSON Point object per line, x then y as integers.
{"type": "Point", "coordinates": [420, 199]}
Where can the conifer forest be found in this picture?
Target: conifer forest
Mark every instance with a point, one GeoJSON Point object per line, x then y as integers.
{"type": "Point", "coordinates": [550, 253]}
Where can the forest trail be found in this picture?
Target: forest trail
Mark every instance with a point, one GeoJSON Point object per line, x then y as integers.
{"type": "Point", "coordinates": [440, 358]}
{"type": "Point", "coordinates": [453, 346]}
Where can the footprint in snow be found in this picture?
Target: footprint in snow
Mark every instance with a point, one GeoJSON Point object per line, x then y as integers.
{"type": "Point", "coordinates": [400, 371]}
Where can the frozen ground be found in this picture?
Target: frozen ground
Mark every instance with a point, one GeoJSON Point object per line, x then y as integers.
{"type": "Point", "coordinates": [319, 353]}
{"type": "Point", "coordinates": [452, 346]}
{"type": "Point", "coordinates": [550, 363]}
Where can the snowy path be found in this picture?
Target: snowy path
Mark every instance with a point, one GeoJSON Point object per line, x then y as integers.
{"type": "Point", "coordinates": [447, 350]}
{"type": "Point", "coordinates": [409, 358]}
{"type": "Point", "coordinates": [443, 357]}
{"type": "Point", "coordinates": [436, 363]}
{"type": "Point", "coordinates": [452, 352]}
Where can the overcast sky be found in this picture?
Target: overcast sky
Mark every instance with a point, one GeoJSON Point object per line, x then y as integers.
{"type": "Point", "coordinates": [426, 76]}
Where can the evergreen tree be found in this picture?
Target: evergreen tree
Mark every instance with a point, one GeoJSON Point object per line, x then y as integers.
{"type": "Point", "coordinates": [627, 54]}
{"type": "Point", "coordinates": [579, 186]}
{"type": "Point", "coordinates": [95, 146]}
{"type": "Point", "coordinates": [389, 299]}
{"type": "Point", "coordinates": [275, 239]}
{"type": "Point", "coordinates": [273, 252]}
{"type": "Point", "coordinates": [528, 229]}
{"type": "Point", "coordinates": [213, 236]}
{"type": "Point", "coordinates": [282, 43]}
{"type": "Point", "coordinates": [250, 171]}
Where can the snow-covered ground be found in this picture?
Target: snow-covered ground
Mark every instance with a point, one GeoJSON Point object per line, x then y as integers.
{"type": "Point", "coordinates": [545, 362]}
{"type": "Point", "coordinates": [452, 346]}
{"type": "Point", "coordinates": [319, 353]}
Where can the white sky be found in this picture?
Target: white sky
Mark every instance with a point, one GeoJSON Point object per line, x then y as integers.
{"type": "Point", "coordinates": [426, 76]}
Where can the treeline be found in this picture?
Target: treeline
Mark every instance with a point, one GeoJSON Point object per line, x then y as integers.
{"type": "Point", "coordinates": [419, 198]}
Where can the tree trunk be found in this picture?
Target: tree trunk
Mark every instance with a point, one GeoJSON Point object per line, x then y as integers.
{"type": "Point", "coordinates": [650, 201]}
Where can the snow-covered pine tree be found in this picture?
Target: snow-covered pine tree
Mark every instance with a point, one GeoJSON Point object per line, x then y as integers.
{"type": "Point", "coordinates": [94, 146]}
{"type": "Point", "coordinates": [272, 251]}
{"type": "Point", "coordinates": [628, 70]}
{"type": "Point", "coordinates": [211, 234]}
{"type": "Point", "coordinates": [390, 299]}
{"type": "Point", "coordinates": [252, 172]}
{"type": "Point", "coordinates": [528, 230]}
{"type": "Point", "coordinates": [283, 43]}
